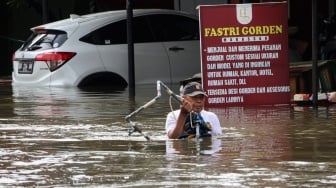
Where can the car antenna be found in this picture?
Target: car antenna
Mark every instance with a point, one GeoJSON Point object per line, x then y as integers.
{"type": "Point", "coordinates": [74, 16]}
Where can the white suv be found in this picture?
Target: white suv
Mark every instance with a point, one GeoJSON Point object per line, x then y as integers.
{"type": "Point", "coordinates": [92, 50]}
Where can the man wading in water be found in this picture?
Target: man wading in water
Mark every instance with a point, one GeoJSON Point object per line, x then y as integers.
{"type": "Point", "coordinates": [181, 123]}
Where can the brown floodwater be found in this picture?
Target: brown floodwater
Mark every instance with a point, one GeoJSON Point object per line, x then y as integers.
{"type": "Point", "coordinates": [60, 137]}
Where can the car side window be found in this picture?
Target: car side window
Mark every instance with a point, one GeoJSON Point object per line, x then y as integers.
{"type": "Point", "coordinates": [142, 32]}
{"type": "Point", "coordinates": [174, 27]}
{"type": "Point", "coordinates": [110, 34]}
{"type": "Point", "coordinates": [116, 33]}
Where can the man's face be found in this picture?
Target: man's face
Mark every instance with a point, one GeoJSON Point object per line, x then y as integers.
{"type": "Point", "coordinates": [197, 102]}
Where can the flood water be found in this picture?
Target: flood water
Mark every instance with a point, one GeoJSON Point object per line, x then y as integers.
{"type": "Point", "coordinates": [63, 137]}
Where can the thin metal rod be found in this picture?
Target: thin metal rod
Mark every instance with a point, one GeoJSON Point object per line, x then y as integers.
{"type": "Point", "coordinates": [171, 93]}
{"type": "Point", "coordinates": [314, 54]}
{"type": "Point", "coordinates": [149, 103]}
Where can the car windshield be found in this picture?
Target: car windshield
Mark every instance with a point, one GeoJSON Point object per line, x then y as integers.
{"type": "Point", "coordinates": [44, 39]}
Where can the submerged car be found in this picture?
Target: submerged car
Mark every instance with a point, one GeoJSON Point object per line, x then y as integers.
{"type": "Point", "coordinates": [92, 50]}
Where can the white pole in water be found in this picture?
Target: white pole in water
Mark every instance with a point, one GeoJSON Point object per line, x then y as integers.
{"type": "Point", "coordinates": [197, 131]}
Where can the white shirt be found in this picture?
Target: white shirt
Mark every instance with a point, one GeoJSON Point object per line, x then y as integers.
{"type": "Point", "coordinates": [208, 117]}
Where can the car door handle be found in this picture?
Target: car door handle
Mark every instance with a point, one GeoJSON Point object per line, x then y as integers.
{"type": "Point", "coordinates": [175, 49]}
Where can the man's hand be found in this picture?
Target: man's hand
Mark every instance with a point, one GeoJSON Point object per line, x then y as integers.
{"type": "Point", "coordinates": [187, 105]}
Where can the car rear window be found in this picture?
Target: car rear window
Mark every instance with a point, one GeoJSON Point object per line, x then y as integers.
{"type": "Point", "coordinates": [45, 39]}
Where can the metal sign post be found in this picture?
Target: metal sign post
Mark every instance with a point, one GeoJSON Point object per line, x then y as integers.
{"type": "Point", "coordinates": [131, 72]}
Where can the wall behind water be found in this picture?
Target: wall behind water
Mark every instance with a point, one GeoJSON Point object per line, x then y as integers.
{"type": "Point", "coordinates": [4, 43]}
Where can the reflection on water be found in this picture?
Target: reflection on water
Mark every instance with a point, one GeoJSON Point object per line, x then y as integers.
{"type": "Point", "coordinates": [71, 103]}
{"type": "Point", "coordinates": [60, 137]}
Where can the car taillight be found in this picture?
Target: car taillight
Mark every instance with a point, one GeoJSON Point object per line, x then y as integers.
{"type": "Point", "coordinates": [55, 60]}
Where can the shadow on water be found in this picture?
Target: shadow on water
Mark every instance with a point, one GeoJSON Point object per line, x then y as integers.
{"type": "Point", "coordinates": [59, 137]}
